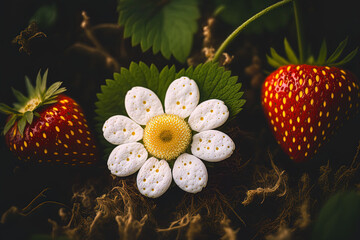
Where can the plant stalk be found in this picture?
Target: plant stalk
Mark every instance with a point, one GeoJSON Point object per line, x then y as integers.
{"type": "Point", "coordinates": [236, 32]}
{"type": "Point", "coordinates": [298, 30]}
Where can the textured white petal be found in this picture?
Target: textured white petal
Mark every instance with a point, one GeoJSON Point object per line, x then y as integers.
{"type": "Point", "coordinates": [182, 97]}
{"type": "Point", "coordinates": [208, 115]}
{"type": "Point", "coordinates": [120, 129]}
{"type": "Point", "coordinates": [212, 146]}
{"type": "Point", "coordinates": [126, 159]}
{"type": "Point", "coordinates": [142, 104]}
{"type": "Point", "coordinates": [154, 178]}
{"type": "Point", "coordinates": [190, 173]}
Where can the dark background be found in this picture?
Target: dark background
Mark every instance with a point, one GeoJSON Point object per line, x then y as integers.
{"type": "Point", "coordinates": [83, 74]}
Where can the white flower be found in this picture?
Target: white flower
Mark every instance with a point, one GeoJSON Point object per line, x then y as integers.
{"type": "Point", "coordinates": [167, 136]}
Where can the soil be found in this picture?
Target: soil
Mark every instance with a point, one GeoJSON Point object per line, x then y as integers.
{"type": "Point", "coordinates": [257, 193]}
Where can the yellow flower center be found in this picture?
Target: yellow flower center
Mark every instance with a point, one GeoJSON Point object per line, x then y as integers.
{"type": "Point", "coordinates": [30, 105]}
{"type": "Point", "coordinates": [166, 136]}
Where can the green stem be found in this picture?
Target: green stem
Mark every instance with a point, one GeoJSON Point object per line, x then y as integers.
{"type": "Point", "coordinates": [234, 34]}
{"type": "Point", "coordinates": [298, 30]}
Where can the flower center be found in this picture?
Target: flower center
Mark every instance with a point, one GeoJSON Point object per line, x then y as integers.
{"type": "Point", "coordinates": [167, 136]}
{"type": "Point", "coordinates": [30, 105]}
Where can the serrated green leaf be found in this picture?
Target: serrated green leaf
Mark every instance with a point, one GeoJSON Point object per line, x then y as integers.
{"type": "Point", "coordinates": [9, 124]}
{"type": "Point", "coordinates": [166, 26]}
{"type": "Point", "coordinates": [29, 115]}
{"type": "Point", "coordinates": [290, 52]}
{"type": "Point", "coordinates": [214, 82]}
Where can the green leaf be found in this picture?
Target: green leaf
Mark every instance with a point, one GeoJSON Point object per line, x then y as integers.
{"type": "Point", "coordinates": [214, 82]}
{"type": "Point", "coordinates": [274, 63]}
{"type": "Point", "coordinates": [29, 115]}
{"type": "Point", "coordinates": [19, 96]}
{"type": "Point", "coordinates": [166, 26]}
{"type": "Point", "coordinates": [338, 218]}
{"type": "Point", "coordinates": [9, 124]}
{"type": "Point", "coordinates": [7, 110]}
{"type": "Point", "coordinates": [30, 88]}
{"type": "Point", "coordinates": [310, 60]}
{"type": "Point", "coordinates": [43, 82]}
{"type": "Point", "coordinates": [347, 59]}
{"type": "Point", "coordinates": [60, 90]}
{"type": "Point", "coordinates": [290, 52]}
{"type": "Point", "coordinates": [277, 57]}
{"type": "Point", "coordinates": [38, 84]}
{"type": "Point", "coordinates": [22, 124]}
{"type": "Point", "coordinates": [322, 54]}
{"type": "Point", "coordinates": [50, 102]}
{"type": "Point", "coordinates": [52, 90]}
{"type": "Point", "coordinates": [337, 52]}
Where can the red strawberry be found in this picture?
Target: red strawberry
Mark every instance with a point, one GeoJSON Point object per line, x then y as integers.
{"type": "Point", "coordinates": [305, 104]}
{"type": "Point", "coordinates": [48, 127]}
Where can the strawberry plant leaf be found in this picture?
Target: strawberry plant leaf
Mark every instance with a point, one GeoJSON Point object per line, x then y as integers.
{"type": "Point", "coordinates": [29, 115]}
{"type": "Point", "coordinates": [276, 59]}
{"type": "Point", "coordinates": [346, 59]}
{"type": "Point", "coordinates": [7, 110]}
{"type": "Point", "coordinates": [30, 88]}
{"type": "Point", "coordinates": [290, 52]}
{"type": "Point", "coordinates": [9, 124]}
{"type": "Point", "coordinates": [166, 26]}
{"type": "Point", "coordinates": [19, 96]}
{"type": "Point", "coordinates": [43, 81]}
{"type": "Point", "coordinates": [214, 82]}
{"type": "Point", "coordinates": [322, 53]}
{"type": "Point", "coordinates": [22, 124]}
{"type": "Point", "coordinates": [52, 89]}
{"type": "Point", "coordinates": [274, 63]}
{"type": "Point", "coordinates": [336, 54]}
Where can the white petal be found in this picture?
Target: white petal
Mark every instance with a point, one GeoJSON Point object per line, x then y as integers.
{"type": "Point", "coordinates": [212, 146]}
{"type": "Point", "coordinates": [182, 97]}
{"type": "Point", "coordinates": [126, 159]}
{"type": "Point", "coordinates": [120, 129]}
{"type": "Point", "coordinates": [142, 104]}
{"type": "Point", "coordinates": [190, 173]}
{"type": "Point", "coordinates": [208, 115]}
{"type": "Point", "coordinates": [154, 178]}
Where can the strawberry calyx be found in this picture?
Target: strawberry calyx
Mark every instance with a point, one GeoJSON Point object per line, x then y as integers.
{"type": "Point", "coordinates": [276, 60]}
{"type": "Point", "coordinates": [25, 109]}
